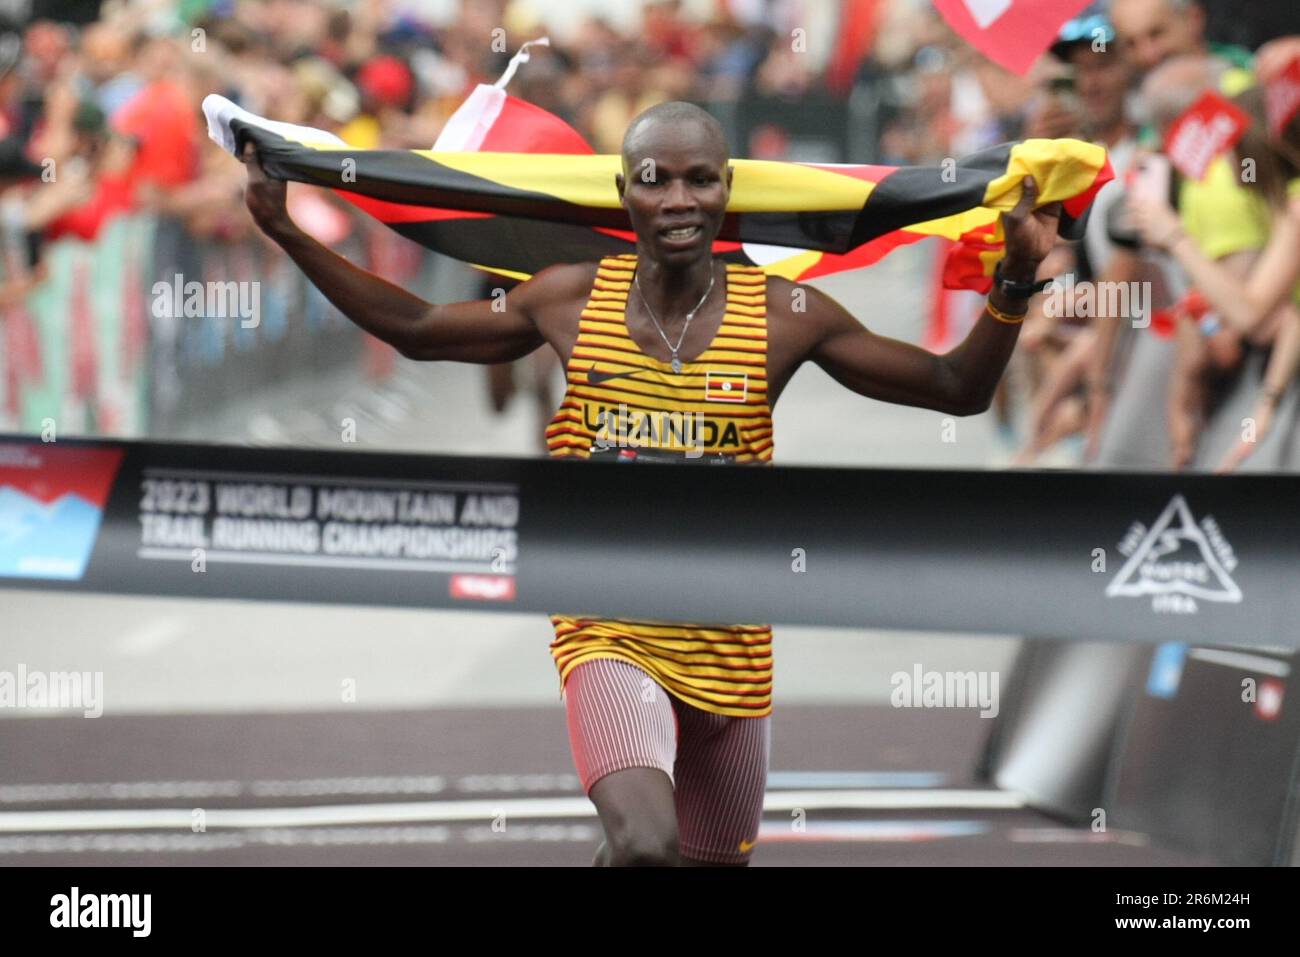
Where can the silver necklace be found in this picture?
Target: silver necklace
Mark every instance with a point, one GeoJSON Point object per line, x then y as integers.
{"type": "Point", "coordinates": [676, 363]}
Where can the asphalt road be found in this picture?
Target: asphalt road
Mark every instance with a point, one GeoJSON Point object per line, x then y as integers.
{"type": "Point", "coordinates": [469, 787]}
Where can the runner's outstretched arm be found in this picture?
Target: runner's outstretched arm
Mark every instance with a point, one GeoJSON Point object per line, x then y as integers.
{"type": "Point", "coordinates": [482, 331]}
{"type": "Point", "coordinates": [961, 381]}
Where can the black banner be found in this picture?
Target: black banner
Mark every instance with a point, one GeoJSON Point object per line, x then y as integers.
{"type": "Point", "coordinates": [329, 906]}
{"type": "Point", "coordinates": [1114, 556]}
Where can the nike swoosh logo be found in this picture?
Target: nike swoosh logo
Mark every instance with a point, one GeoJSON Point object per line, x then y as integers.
{"type": "Point", "coordinates": [747, 846]}
{"type": "Point", "coordinates": [596, 378]}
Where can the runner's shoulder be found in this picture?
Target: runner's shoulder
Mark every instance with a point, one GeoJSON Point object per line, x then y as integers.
{"type": "Point", "coordinates": [561, 282]}
{"type": "Point", "coordinates": [797, 301]}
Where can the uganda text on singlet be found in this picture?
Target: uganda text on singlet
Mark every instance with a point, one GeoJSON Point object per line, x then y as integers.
{"type": "Point", "coordinates": [625, 405]}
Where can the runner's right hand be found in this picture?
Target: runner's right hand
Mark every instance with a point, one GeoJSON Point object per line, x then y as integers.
{"type": "Point", "coordinates": [265, 196]}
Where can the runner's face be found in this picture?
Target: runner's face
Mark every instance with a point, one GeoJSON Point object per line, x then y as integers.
{"type": "Point", "coordinates": [675, 191]}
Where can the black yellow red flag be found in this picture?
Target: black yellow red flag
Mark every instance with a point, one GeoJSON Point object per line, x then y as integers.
{"type": "Point", "coordinates": [516, 212]}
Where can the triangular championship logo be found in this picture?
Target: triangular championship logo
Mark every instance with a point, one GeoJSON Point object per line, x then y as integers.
{"type": "Point", "coordinates": [1177, 561]}
{"type": "Point", "coordinates": [725, 386]}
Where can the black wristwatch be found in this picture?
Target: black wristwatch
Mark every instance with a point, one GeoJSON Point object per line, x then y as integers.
{"type": "Point", "coordinates": [1018, 290]}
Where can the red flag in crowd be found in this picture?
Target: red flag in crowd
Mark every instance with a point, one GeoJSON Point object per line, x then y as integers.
{"type": "Point", "coordinates": [1209, 128]}
{"type": "Point", "coordinates": [1011, 33]}
{"type": "Point", "coordinates": [854, 39]}
{"type": "Point", "coordinates": [1282, 97]}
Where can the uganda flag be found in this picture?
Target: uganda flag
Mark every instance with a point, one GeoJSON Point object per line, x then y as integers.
{"type": "Point", "coordinates": [725, 386]}
{"type": "Point", "coordinates": [512, 189]}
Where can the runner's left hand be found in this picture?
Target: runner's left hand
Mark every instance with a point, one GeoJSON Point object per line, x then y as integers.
{"type": "Point", "coordinates": [1030, 233]}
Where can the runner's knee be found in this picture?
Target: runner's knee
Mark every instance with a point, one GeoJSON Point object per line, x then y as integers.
{"type": "Point", "coordinates": [643, 845]}
{"type": "Point", "coordinates": [637, 812]}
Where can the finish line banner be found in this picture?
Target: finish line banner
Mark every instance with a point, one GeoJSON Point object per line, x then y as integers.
{"type": "Point", "coordinates": [1086, 555]}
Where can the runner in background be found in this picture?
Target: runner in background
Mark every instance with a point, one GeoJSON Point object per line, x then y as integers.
{"type": "Point", "coordinates": [536, 374]}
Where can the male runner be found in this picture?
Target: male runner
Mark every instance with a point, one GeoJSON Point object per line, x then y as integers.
{"type": "Point", "coordinates": [669, 722]}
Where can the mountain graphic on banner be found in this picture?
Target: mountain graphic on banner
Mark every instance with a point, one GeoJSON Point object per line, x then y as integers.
{"type": "Point", "coordinates": [52, 541]}
{"type": "Point", "coordinates": [52, 498]}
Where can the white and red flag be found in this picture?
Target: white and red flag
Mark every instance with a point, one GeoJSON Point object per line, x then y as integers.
{"type": "Point", "coordinates": [492, 121]}
{"type": "Point", "coordinates": [1207, 130]}
{"type": "Point", "coordinates": [1282, 97]}
{"type": "Point", "coordinates": [1011, 33]}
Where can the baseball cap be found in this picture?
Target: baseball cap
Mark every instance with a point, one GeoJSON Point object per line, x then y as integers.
{"type": "Point", "coordinates": [386, 79]}
{"type": "Point", "coordinates": [1091, 25]}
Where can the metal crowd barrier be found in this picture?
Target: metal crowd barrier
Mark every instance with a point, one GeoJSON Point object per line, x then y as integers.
{"type": "Point", "coordinates": [90, 349]}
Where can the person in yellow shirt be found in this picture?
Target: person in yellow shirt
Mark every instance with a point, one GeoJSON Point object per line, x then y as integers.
{"type": "Point", "coordinates": [1259, 305]}
{"type": "Point", "coordinates": [1132, 423]}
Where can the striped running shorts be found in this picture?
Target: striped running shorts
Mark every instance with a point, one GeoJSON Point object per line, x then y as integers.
{"type": "Point", "coordinates": [619, 717]}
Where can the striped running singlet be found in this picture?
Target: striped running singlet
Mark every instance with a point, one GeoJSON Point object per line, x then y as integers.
{"type": "Point", "coordinates": [621, 403]}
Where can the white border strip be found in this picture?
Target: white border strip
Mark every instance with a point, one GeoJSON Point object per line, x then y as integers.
{"type": "Point", "coordinates": [1242, 660]}
{"type": "Point", "coordinates": [303, 478]}
{"type": "Point", "coordinates": [155, 553]}
{"type": "Point", "coordinates": [16, 822]}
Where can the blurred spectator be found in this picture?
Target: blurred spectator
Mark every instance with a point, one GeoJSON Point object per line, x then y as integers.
{"type": "Point", "coordinates": [93, 185]}
{"type": "Point", "coordinates": [160, 118]}
{"type": "Point", "coordinates": [1084, 96]}
{"type": "Point", "coordinates": [1153, 31]}
{"type": "Point", "coordinates": [1229, 222]}
{"type": "Point", "coordinates": [725, 57]}
{"type": "Point", "coordinates": [106, 75]}
{"type": "Point", "coordinates": [1257, 308]}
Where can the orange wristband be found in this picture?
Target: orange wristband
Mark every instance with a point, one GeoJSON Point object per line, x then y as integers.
{"type": "Point", "coordinates": [1004, 317]}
